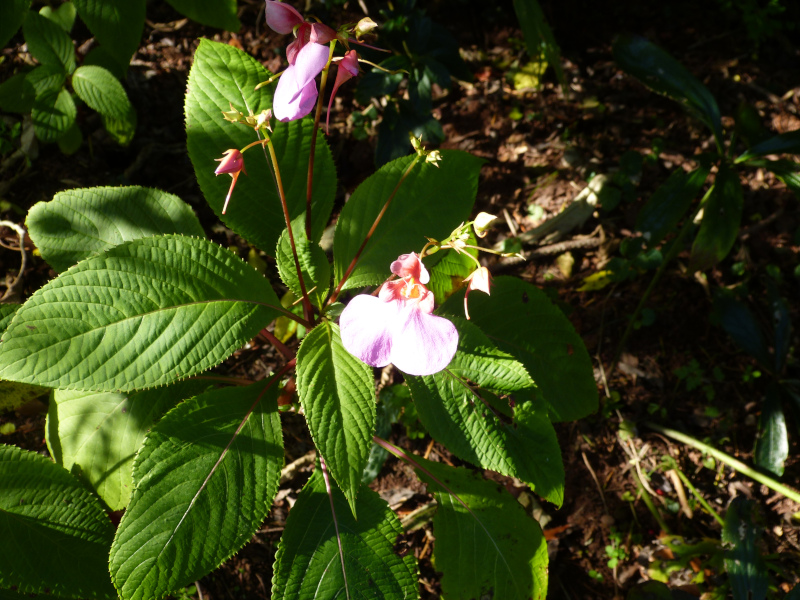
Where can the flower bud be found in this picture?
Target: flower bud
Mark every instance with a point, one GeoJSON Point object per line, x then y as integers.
{"type": "Point", "coordinates": [231, 163]}
{"type": "Point", "coordinates": [480, 279]}
{"type": "Point", "coordinates": [482, 223]}
{"type": "Point", "coordinates": [363, 27]}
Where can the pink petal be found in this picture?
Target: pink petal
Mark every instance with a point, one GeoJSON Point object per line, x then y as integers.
{"type": "Point", "coordinates": [422, 344]}
{"type": "Point", "coordinates": [281, 17]}
{"type": "Point", "coordinates": [311, 59]}
{"type": "Point", "coordinates": [321, 34]}
{"type": "Point", "coordinates": [410, 264]}
{"type": "Point", "coordinates": [366, 325]}
{"type": "Point", "coordinates": [296, 93]}
{"type": "Point", "coordinates": [347, 69]}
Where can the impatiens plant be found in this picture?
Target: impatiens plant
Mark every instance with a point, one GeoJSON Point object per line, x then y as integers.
{"type": "Point", "coordinates": [131, 333]}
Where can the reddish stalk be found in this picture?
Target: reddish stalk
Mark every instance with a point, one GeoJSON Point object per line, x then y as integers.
{"type": "Point", "coordinates": [279, 345]}
{"type": "Point", "coordinates": [335, 523]}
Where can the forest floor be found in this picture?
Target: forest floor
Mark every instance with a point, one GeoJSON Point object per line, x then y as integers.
{"type": "Point", "coordinates": [678, 369]}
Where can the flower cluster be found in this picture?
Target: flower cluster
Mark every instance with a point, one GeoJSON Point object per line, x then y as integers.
{"type": "Point", "coordinates": [398, 327]}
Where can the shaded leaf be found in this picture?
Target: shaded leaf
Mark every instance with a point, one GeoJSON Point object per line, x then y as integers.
{"type": "Point", "coordinates": [117, 25]}
{"type": "Point", "coordinates": [784, 143]}
{"type": "Point", "coordinates": [53, 114]}
{"type": "Point", "coordinates": [17, 94]}
{"type": "Point", "coordinates": [772, 447]}
{"type": "Point", "coordinates": [12, 14]}
{"type": "Point", "coordinates": [740, 323]}
{"type": "Point", "coordinates": [744, 561]}
{"type": "Point", "coordinates": [214, 13]}
{"type": "Point", "coordinates": [539, 38]}
{"type": "Point", "coordinates": [101, 91]}
{"type": "Point", "coordinates": [722, 217]}
{"type": "Point", "coordinates": [48, 42]}
{"type": "Point", "coordinates": [314, 264]}
{"type": "Point", "coordinates": [63, 16]}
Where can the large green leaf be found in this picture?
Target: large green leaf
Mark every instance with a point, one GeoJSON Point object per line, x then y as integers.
{"type": "Point", "coordinates": [214, 13]}
{"type": "Point", "coordinates": [337, 393]}
{"type": "Point", "coordinates": [12, 14]}
{"type": "Point", "coordinates": [785, 143]}
{"type": "Point", "coordinates": [491, 549]}
{"type": "Point", "coordinates": [457, 411]}
{"type": "Point", "coordinates": [314, 264]}
{"type": "Point", "coordinates": [117, 25]}
{"type": "Point", "coordinates": [663, 74]}
{"type": "Point", "coordinates": [78, 223]}
{"type": "Point", "coordinates": [521, 320]}
{"type": "Point", "coordinates": [144, 313]}
{"type": "Point", "coordinates": [205, 480]}
{"type": "Point", "coordinates": [308, 563]}
{"type": "Point", "coordinates": [53, 114]}
{"type": "Point", "coordinates": [101, 91]}
{"type": "Point", "coordinates": [669, 203]}
{"type": "Point", "coordinates": [45, 78]}
{"type": "Point", "coordinates": [744, 560]}
{"type": "Point", "coordinates": [539, 38]}
{"type": "Point", "coordinates": [722, 217]}
{"type": "Point", "coordinates": [96, 434]}
{"type": "Point", "coordinates": [221, 76]}
{"type": "Point", "coordinates": [48, 42]}
{"type": "Point", "coordinates": [431, 202]}
{"type": "Point", "coordinates": [63, 16]}
{"type": "Point", "coordinates": [772, 447]}
{"type": "Point", "coordinates": [55, 534]}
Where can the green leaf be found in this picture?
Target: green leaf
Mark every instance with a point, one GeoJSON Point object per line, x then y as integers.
{"type": "Point", "coordinates": [117, 25]}
{"type": "Point", "coordinates": [63, 16]}
{"type": "Point", "coordinates": [7, 312]}
{"type": "Point", "coordinates": [53, 114]}
{"type": "Point", "coordinates": [71, 141]}
{"type": "Point", "coordinates": [539, 38]}
{"type": "Point", "coordinates": [12, 14]}
{"type": "Point", "coordinates": [722, 217]}
{"type": "Point", "coordinates": [663, 74]}
{"type": "Point", "coordinates": [491, 549]}
{"type": "Point", "coordinates": [669, 203]}
{"type": "Point", "coordinates": [520, 319]}
{"type": "Point", "coordinates": [741, 324]}
{"type": "Point", "coordinates": [220, 76]}
{"type": "Point", "coordinates": [17, 94]}
{"type": "Point", "coordinates": [337, 393]}
{"type": "Point", "coordinates": [431, 202]}
{"type": "Point", "coordinates": [141, 314]}
{"type": "Point", "coordinates": [308, 563]}
{"type": "Point", "coordinates": [14, 395]}
{"type": "Point", "coordinates": [449, 273]}
{"type": "Point", "coordinates": [205, 480]}
{"type": "Point", "coordinates": [99, 56]}
{"type": "Point", "coordinates": [459, 414]}
{"type": "Point", "coordinates": [785, 143]}
{"type": "Point", "coordinates": [121, 130]}
{"type": "Point", "coordinates": [313, 264]}
{"type": "Point", "coordinates": [56, 536]}
{"type": "Point", "coordinates": [214, 13]}
{"type": "Point", "coordinates": [48, 42]}
{"type": "Point", "coordinates": [45, 78]}
{"type": "Point", "coordinates": [78, 223]}
{"type": "Point", "coordinates": [744, 561]}
{"type": "Point", "coordinates": [772, 447]}
{"type": "Point", "coordinates": [101, 91]}
{"type": "Point", "coordinates": [95, 435]}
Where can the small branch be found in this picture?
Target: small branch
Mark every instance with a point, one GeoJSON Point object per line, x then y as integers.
{"type": "Point", "coordinates": [335, 523]}
{"type": "Point", "coordinates": [279, 345]}
{"type": "Point", "coordinates": [13, 291]}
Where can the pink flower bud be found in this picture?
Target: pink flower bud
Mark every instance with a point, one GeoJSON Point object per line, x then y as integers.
{"type": "Point", "coordinates": [231, 163]}
{"type": "Point", "coordinates": [281, 17]}
{"type": "Point", "coordinates": [480, 280]}
{"type": "Point", "coordinates": [347, 68]}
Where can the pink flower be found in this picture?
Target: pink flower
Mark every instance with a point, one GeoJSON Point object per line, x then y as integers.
{"type": "Point", "coordinates": [398, 327]}
{"type": "Point", "coordinates": [480, 279]}
{"type": "Point", "coordinates": [296, 93]}
{"type": "Point", "coordinates": [347, 69]}
{"type": "Point", "coordinates": [282, 17]}
{"type": "Point", "coordinates": [232, 163]}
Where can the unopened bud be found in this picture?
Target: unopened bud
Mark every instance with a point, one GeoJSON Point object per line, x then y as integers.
{"type": "Point", "coordinates": [363, 27]}
{"type": "Point", "coordinates": [263, 119]}
{"type": "Point", "coordinates": [434, 157]}
{"type": "Point", "coordinates": [482, 223]}
{"type": "Point", "coordinates": [232, 115]}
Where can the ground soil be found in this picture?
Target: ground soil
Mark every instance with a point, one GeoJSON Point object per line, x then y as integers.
{"type": "Point", "coordinates": [540, 146]}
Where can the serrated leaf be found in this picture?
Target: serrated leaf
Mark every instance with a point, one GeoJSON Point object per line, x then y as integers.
{"type": "Point", "coordinates": [521, 320]}
{"type": "Point", "coordinates": [308, 563]}
{"type": "Point", "coordinates": [314, 264]}
{"type": "Point", "coordinates": [99, 56]}
{"type": "Point", "coordinates": [63, 16]}
{"type": "Point", "coordinates": [431, 202]}
{"type": "Point", "coordinates": [53, 114]}
{"type": "Point", "coordinates": [490, 549]}
{"type": "Point", "coordinates": [460, 415]}
{"type": "Point", "coordinates": [337, 393]}
{"type": "Point", "coordinates": [141, 314]}
{"type": "Point", "coordinates": [744, 560]}
{"type": "Point", "coordinates": [56, 535]}
{"type": "Point", "coordinates": [214, 13]}
{"type": "Point", "coordinates": [220, 76]}
{"type": "Point", "coordinates": [669, 203]}
{"type": "Point", "coordinates": [7, 312]}
{"type": "Point", "coordinates": [48, 42]}
{"type": "Point", "coordinates": [14, 395]}
{"type": "Point", "coordinates": [663, 74]}
{"type": "Point", "coordinates": [12, 14]}
{"type": "Point", "coordinates": [95, 435]}
{"type": "Point", "coordinates": [78, 223]}
{"type": "Point", "coordinates": [205, 479]}
{"type": "Point", "coordinates": [722, 217]}
{"type": "Point", "coordinates": [772, 447]}
{"type": "Point", "coordinates": [785, 143]}
{"type": "Point", "coordinates": [17, 94]}
{"type": "Point", "coordinates": [45, 78]}
{"type": "Point", "coordinates": [101, 91]}
{"type": "Point", "coordinates": [121, 130]}
{"type": "Point", "coordinates": [117, 25]}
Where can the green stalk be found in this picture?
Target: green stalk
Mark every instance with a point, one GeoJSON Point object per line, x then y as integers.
{"type": "Point", "coordinates": [733, 463]}
{"type": "Point", "coordinates": [649, 503]}
{"type": "Point", "coordinates": [704, 503]}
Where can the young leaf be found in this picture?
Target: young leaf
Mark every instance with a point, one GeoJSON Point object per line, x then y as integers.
{"type": "Point", "coordinates": [744, 561]}
{"type": "Point", "coordinates": [96, 434]}
{"type": "Point", "coordinates": [663, 74]}
{"type": "Point", "coordinates": [205, 479]}
{"type": "Point", "coordinates": [63, 16]}
{"type": "Point", "coordinates": [12, 14]}
{"type": "Point", "coordinates": [78, 223]}
{"type": "Point", "coordinates": [117, 25]}
{"type": "Point", "coordinates": [141, 314]}
{"type": "Point", "coordinates": [308, 563]}
{"type": "Point", "coordinates": [431, 202]}
{"type": "Point", "coordinates": [214, 13]}
{"type": "Point", "coordinates": [53, 114]}
{"type": "Point", "coordinates": [48, 42]}
{"type": "Point", "coordinates": [521, 320]}
{"type": "Point", "coordinates": [772, 447]}
{"type": "Point", "coordinates": [458, 414]}
{"type": "Point", "coordinates": [337, 393]}
{"type": "Point", "coordinates": [221, 76]}
{"type": "Point", "coordinates": [56, 535]}
{"type": "Point", "coordinates": [101, 91]}
{"type": "Point", "coordinates": [722, 216]}
{"type": "Point", "coordinates": [785, 143]}
{"type": "Point", "coordinates": [491, 548]}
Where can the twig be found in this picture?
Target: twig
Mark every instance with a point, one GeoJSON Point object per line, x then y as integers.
{"type": "Point", "coordinates": [676, 482]}
{"type": "Point", "coordinates": [596, 481]}
{"type": "Point", "coordinates": [13, 289]}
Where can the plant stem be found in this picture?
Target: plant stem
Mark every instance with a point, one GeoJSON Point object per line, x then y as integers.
{"type": "Point", "coordinates": [733, 463]}
{"type": "Point", "coordinates": [312, 151]}
{"type": "Point", "coordinates": [335, 523]}
{"type": "Point", "coordinates": [279, 346]}
{"type": "Point", "coordinates": [709, 509]}
{"type": "Point", "coordinates": [307, 311]}
{"type": "Point", "coordinates": [649, 502]}
{"type": "Point", "coordinates": [353, 263]}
